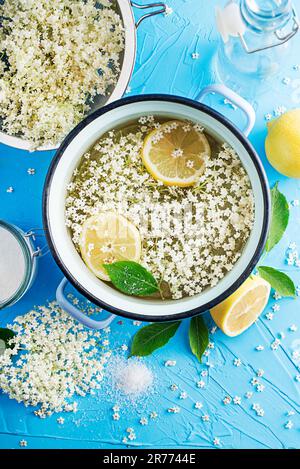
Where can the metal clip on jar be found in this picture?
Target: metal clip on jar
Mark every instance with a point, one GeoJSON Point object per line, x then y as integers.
{"type": "Point", "coordinates": [18, 262]}
{"type": "Point", "coordinates": [255, 36]}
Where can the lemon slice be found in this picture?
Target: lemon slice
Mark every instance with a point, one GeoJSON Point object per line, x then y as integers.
{"type": "Point", "coordinates": [108, 237]}
{"type": "Point", "coordinates": [175, 153]}
{"type": "Point", "coordinates": [243, 307]}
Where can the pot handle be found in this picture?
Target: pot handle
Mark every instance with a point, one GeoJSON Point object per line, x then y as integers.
{"type": "Point", "coordinates": [151, 13]}
{"type": "Point", "coordinates": [65, 304]}
{"type": "Point", "coordinates": [235, 99]}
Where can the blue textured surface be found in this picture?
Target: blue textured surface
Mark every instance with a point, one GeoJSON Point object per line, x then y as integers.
{"type": "Point", "coordinates": [164, 64]}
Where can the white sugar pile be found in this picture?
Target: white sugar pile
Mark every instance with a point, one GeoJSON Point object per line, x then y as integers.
{"type": "Point", "coordinates": [129, 378]}
{"type": "Point", "coordinates": [133, 378]}
{"type": "Point", "coordinates": [53, 359]}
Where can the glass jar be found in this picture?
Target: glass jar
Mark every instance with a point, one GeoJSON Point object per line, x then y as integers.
{"type": "Point", "coordinates": [255, 40]}
{"type": "Point", "coordinates": [18, 263]}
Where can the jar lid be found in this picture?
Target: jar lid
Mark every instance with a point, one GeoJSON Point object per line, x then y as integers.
{"type": "Point", "coordinates": [15, 264]}
{"type": "Point", "coordinates": [230, 21]}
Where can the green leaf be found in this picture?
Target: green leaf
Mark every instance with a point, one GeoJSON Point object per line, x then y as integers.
{"type": "Point", "coordinates": [5, 337]}
{"type": "Point", "coordinates": [152, 337]}
{"type": "Point", "coordinates": [198, 335]}
{"type": "Point", "coordinates": [279, 218]}
{"type": "Point", "coordinates": [281, 282]}
{"type": "Point", "coordinates": [131, 278]}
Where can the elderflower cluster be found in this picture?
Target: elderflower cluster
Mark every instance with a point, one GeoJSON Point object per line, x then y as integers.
{"type": "Point", "coordinates": [192, 236]}
{"type": "Point", "coordinates": [55, 57]}
{"type": "Point", "coordinates": [51, 360]}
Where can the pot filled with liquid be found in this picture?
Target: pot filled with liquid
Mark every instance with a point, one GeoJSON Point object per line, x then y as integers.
{"type": "Point", "coordinates": [156, 208]}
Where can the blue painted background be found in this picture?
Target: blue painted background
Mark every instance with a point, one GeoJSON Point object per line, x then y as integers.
{"type": "Point", "coordinates": [164, 64]}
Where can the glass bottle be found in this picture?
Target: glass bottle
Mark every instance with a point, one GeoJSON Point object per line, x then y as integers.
{"type": "Point", "coordinates": [255, 37]}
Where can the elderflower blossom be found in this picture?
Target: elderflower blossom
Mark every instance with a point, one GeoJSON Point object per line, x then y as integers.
{"type": "Point", "coordinates": [191, 237]}
{"type": "Point", "coordinates": [58, 55]}
{"type": "Point", "coordinates": [52, 359]}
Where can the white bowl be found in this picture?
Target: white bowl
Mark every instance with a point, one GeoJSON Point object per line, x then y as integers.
{"type": "Point", "coordinates": [127, 60]}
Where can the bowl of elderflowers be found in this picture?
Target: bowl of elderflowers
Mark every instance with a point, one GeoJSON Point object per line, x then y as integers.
{"type": "Point", "coordinates": [156, 207]}
{"type": "Point", "coordinates": [59, 61]}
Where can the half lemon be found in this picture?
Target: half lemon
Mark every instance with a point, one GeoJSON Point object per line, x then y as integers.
{"type": "Point", "coordinates": [175, 153]}
{"type": "Point", "coordinates": [106, 238]}
{"type": "Point", "coordinates": [240, 310]}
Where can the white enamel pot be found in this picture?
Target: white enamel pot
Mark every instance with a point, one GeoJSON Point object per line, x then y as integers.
{"type": "Point", "coordinates": [67, 159]}
{"type": "Point", "coordinates": [127, 60]}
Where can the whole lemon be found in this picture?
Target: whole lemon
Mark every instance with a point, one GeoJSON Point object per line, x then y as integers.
{"type": "Point", "coordinates": [283, 143]}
